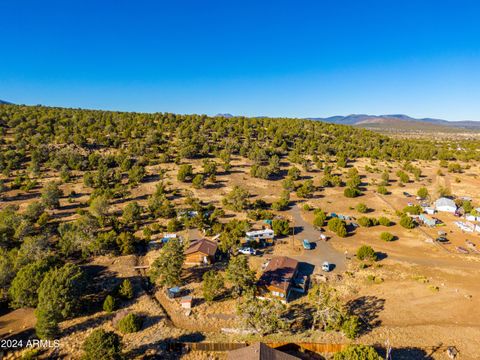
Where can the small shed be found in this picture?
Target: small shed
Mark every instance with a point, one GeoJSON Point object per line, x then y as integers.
{"type": "Point", "coordinates": [186, 302]}
{"type": "Point", "coordinates": [173, 292]}
{"type": "Point", "coordinates": [429, 210]}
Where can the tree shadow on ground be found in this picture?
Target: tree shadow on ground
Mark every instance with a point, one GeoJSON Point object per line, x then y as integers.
{"type": "Point", "coordinates": [216, 185]}
{"type": "Point", "coordinates": [169, 348]}
{"type": "Point", "coordinates": [195, 274]}
{"type": "Point", "coordinates": [149, 321]}
{"type": "Point", "coordinates": [406, 353]}
{"type": "Point", "coordinates": [90, 323]}
{"type": "Point", "coordinates": [381, 255]}
{"type": "Point", "coordinates": [150, 178]}
{"type": "Point", "coordinates": [21, 197]}
{"type": "Point", "coordinates": [299, 352]}
{"type": "Point", "coordinates": [367, 308]}
{"type": "Point", "coordinates": [74, 206]}
{"type": "Point", "coordinates": [297, 230]}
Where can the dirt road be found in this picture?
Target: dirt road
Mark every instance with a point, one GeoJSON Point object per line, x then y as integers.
{"type": "Point", "coordinates": [322, 251]}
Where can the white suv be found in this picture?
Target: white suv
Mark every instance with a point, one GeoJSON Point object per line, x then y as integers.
{"type": "Point", "coordinates": [247, 251]}
{"type": "Point", "coordinates": [326, 266]}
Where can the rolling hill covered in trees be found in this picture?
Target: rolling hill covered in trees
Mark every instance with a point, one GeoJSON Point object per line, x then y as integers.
{"type": "Point", "coordinates": [73, 137]}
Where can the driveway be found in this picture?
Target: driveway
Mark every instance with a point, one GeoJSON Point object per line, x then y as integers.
{"type": "Point", "coordinates": [322, 250]}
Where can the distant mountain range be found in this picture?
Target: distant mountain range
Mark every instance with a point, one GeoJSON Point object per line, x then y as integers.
{"type": "Point", "coordinates": [397, 120]}
{"type": "Point", "coordinates": [224, 115]}
{"type": "Point", "coordinates": [4, 102]}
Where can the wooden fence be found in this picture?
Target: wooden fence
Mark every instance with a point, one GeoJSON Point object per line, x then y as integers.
{"type": "Point", "coordinates": [320, 348]}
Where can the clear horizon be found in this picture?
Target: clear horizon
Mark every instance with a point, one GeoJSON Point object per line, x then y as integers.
{"type": "Point", "coordinates": [272, 58]}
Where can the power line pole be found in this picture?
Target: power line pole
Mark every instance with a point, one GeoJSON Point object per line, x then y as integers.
{"type": "Point", "coordinates": [293, 234]}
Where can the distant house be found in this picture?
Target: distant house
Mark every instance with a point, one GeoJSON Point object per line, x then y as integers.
{"type": "Point", "coordinates": [278, 278]}
{"type": "Point", "coordinates": [200, 252]}
{"type": "Point", "coordinates": [445, 205]}
{"type": "Point", "coordinates": [259, 351]}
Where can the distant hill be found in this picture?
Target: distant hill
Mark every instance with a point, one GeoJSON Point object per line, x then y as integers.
{"type": "Point", "coordinates": [224, 115]}
{"type": "Point", "coordinates": [397, 120]}
{"type": "Point", "coordinates": [4, 102]}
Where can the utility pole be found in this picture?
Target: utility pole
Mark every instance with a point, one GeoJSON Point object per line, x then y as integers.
{"type": "Point", "coordinates": [388, 355]}
{"type": "Point", "coordinates": [293, 234]}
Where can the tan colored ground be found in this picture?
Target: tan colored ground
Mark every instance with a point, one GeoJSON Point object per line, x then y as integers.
{"type": "Point", "coordinates": [424, 294]}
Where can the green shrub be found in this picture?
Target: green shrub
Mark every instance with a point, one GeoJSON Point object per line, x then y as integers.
{"type": "Point", "coordinates": [307, 207]}
{"type": "Point", "coordinates": [198, 181]}
{"type": "Point", "coordinates": [281, 227]}
{"type": "Point", "coordinates": [351, 192]}
{"type": "Point", "coordinates": [357, 352]}
{"type": "Point", "coordinates": [130, 323]}
{"type": "Point", "coordinates": [31, 354]}
{"type": "Point", "coordinates": [213, 285]}
{"type": "Point", "coordinates": [174, 225]}
{"type": "Point", "coordinates": [422, 193]}
{"type": "Point", "coordinates": [351, 326]}
{"type": "Point", "coordinates": [407, 222]}
{"type": "Point", "coordinates": [338, 226]}
{"type": "Point", "coordinates": [413, 209]}
{"type": "Point", "coordinates": [361, 208]}
{"type": "Point", "coordinates": [102, 345]}
{"type": "Point", "coordinates": [126, 290]}
{"type": "Point", "coordinates": [382, 190]}
{"type": "Point", "coordinates": [386, 236]}
{"type": "Point", "coordinates": [366, 252]}
{"type": "Point", "coordinates": [367, 221]}
{"type": "Point", "coordinates": [384, 221]}
{"type": "Point", "coordinates": [319, 219]}
{"type": "Point", "coordinates": [109, 304]}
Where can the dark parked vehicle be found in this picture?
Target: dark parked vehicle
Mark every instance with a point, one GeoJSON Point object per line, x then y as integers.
{"type": "Point", "coordinates": [442, 239]}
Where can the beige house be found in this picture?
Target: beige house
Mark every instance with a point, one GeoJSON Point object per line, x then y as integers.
{"type": "Point", "coordinates": [201, 252]}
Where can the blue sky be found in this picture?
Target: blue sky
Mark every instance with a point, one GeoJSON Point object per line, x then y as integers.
{"type": "Point", "coordinates": [277, 58]}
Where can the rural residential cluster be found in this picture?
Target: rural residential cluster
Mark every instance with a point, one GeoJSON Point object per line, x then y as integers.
{"type": "Point", "coordinates": [163, 236]}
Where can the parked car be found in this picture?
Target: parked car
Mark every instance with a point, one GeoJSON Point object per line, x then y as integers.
{"type": "Point", "coordinates": [307, 245]}
{"type": "Point", "coordinates": [326, 266]}
{"type": "Point", "coordinates": [406, 194]}
{"type": "Point", "coordinates": [442, 239]}
{"type": "Point", "coordinates": [323, 237]}
{"type": "Point", "coordinates": [247, 251]}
